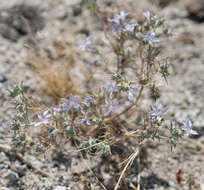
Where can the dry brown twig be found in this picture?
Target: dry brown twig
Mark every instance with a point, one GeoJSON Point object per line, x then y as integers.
{"type": "Point", "coordinates": [130, 160]}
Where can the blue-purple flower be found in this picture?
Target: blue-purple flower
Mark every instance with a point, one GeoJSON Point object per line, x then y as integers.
{"type": "Point", "coordinates": [86, 44]}
{"type": "Point", "coordinates": [158, 111]}
{"type": "Point", "coordinates": [56, 110]}
{"type": "Point", "coordinates": [93, 63]}
{"type": "Point", "coordinates": [187, 128]}
{"type": "Point", "coordinates": [130, 27]}
{"type": "Point", "coordinates": [122, 15]}
{"type": "Point", "coordinates": [111, 105]}
{"type": "Point", "coordinates": [147, 15]}
{"type": "Point", "coordinates": [71, 103]}
{"type": "Point", "coordinates": [131, 92]}
{"type": "Point", "coordinates": [118, 17]}
{"type": "Point", "coordinates": [87, 100]}
{"type": "Point", "coordinates": [117, 26]}
{"type": "Point", "coordinates": [5, 126]}
{"type": "Point", "coordinates": [85, 118]}
{"type": "Point", "coordinates": [111, 88]}
{"type": "Point", "coordinates": [44, 118]}
{"type": "Point", "coordinates": [150, 38]}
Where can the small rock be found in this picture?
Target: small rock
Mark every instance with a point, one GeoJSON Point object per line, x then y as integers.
{"type": "Point", "coordinates": [2, 154]}
{"type": "Point", "coordinates": [163, 3]}
{"type": "Point", "coordinates": [8, 33]}
{"type": "Point", "coordinates": [60, 188]}
{"type": "Point", "coordinates": [186, 114]}
{"type": "Point", "coordinates": [13, 178]}
{"type": "Point", "coordinates": [3, 78]}
{"type": "Point", "coordinates": [195, 10]}
{"type": "Point", "coordinates": [18, 20]}
{"type": "Point", "coordinates": [21, 170]}
{"type": "Point", "coordinates": [77, 11]}
{"type": "Point", "coordinates": [4, 188]}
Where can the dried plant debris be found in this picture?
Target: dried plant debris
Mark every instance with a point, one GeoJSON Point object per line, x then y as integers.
{"type": "Point", "coordinates": [55, 77]}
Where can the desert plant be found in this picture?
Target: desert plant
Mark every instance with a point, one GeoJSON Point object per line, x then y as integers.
{"type": "Point", "coordinates": [103, 116]}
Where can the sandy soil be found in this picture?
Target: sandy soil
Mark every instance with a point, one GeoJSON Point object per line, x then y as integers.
{"type": "Point", "coordinates": [184, 96]}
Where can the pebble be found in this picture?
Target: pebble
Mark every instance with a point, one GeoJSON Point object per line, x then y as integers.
{"type": "Point", "coordinates": [3, 78]}
{"type": "Point", "coordinates": [21, 170]}
{"type": "Point", "coordinates": [195, 10]}
{"type": "Point", "coordinates": [60, 188]}
{"type": "Point", "coordinates": [12, 26]}
{"type": "Point", "coordinates": [13, 178]}
{"type": "Point", "coordinates": [4, 188]}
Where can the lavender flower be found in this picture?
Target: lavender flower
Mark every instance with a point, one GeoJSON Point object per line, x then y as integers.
{"type": "Point", "coordinates": [85, 118]}
{"type": "Point", "coordinates": [187, 128]}
{"type": "Point", "coordinates": [130, 27]}
{"type": "Point", "coordinates": [147, 15]}
{"type": "Point", "coordinates": [72, 102]}
{"type": "Point", "coordinates": [44, 118]}
{"type": "Point", "coordinates": [131, 93]}
{"type": "Point", "coordinates": [118, 17]}
{"type": "Point", "coordinates": [93, 63]}
{"type": "Point", "coordinates": [56, 110]}
{"type": "Point", "coordinates": [111, 88]}
{"type": "Point", "coordinates": [117, 26]}
{"type": "Point", "coordinates": [87, 100]}
{"type": "Point", "coordinates": [150, 38]}
{"type": "Point", "coordinates": [5, 126]}
{"type": "Point", "coordinates": [158, 111]}
{"type": "Point", "coordinates": [86, 44]}
{"type": "Point", "coordinates": [110, 106]}
{"type": "Point", "coordinates": [122, 15]}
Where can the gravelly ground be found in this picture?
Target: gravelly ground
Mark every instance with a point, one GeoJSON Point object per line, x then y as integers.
{"type": "Point", "coordinates": [184, 97]}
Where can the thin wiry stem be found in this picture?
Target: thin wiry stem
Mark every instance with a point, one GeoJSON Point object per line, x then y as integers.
{"type": "Point", "coordinates": [129, 107]}
{"type": "Point", "coordinates": [130, 161]}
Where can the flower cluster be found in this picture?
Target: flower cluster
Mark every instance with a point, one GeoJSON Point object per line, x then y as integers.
{"type": "Point", "coordinates": [130, 28]}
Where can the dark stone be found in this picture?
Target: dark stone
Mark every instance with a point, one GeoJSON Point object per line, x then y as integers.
{"type": "Point", "coordinates": [20, 20]}
{"type": "Point", "coordinates": [3, 78]}
{"type": "Point", "coordinates": [8, 32]}
{"type": "Point", "coordinates": [163, 3]}
{"type": "Point", "coordinates": [195, 10]}
{"type": "Point", "coordinates": [84, 31]}
{"type": "Point", "coordinates": [21, 170]}
{"type": "Point", "coordinates": [151, 180]}
{"type": "Point", "coordinates": [77, 11]}
{"type": "Point", "coordinates": [60, 158]}
{"type": "Point", "coordinates": [13, 179]}
{"type": "Point", "coordinates": [109, 3]}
